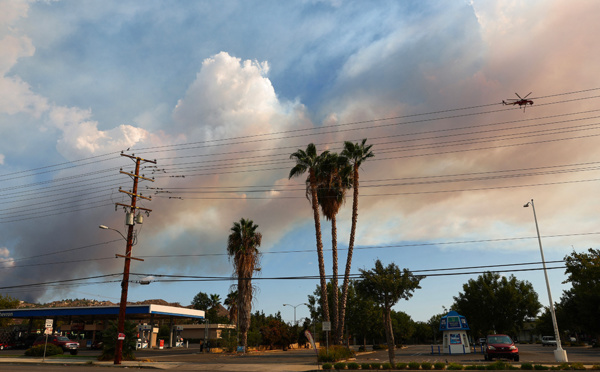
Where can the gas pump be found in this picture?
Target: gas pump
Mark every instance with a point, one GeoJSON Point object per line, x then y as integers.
{"type": "Point", "coordinates": [144, 334]}
{"type": "Point", "coordinates": [177, 336]}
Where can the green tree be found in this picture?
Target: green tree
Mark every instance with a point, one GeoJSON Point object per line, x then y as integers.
{"type": "Point", "coordinates": [242, 247]}
{"type": "Point", "coordinates": [356, 153]}
{"type": "Point", "coordinates": [109, 341]}
{"type": "Point", "coordinates": [276, 333]}
{"type": "Point", "coordinates": [309, 161]}
{"type": "Point", "coordinates": [494, 303]}
{"type": "Point", "coordinates": [583, 299]}
{"type": "Point", "coordinates": [403, 325]}
{"type": "Point", "coordinates": [201, 301]}
{"type": "Point", "coordinates": [386, 286]}
{"type": "Point", "coordinates": [7, 302]}
{"type": "Point", "coordinates": [333, 179]}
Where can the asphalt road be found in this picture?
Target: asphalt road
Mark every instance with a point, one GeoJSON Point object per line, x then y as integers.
{"type": "Point", "coordinates": [191, 357]}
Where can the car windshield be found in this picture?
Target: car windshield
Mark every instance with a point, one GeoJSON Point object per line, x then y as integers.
{"type": "Point", "coordinates": [499, 340]}
{"type": "Point", "coordinates": [63, 338]}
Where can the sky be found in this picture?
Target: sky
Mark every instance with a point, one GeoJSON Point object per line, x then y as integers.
{"type": "Point", "coordinates": [220, 93]}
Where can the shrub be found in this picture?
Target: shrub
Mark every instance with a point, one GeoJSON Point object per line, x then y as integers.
{"type": "Point", "coordinates": [426, 365]}
{"type": "Point", "coordinates": [365, 366]}
{"type": "Point", "coordinates": [527, 366]}
{"type": "Point", "coordinates": [335, 353]}
{"type": "Point", "coordinates": [386, 365]}
{"type": "Point", "coordinates": [362, 348]}
{"type": "Point", "coordinates": [401, 365]}
{"type": "Point", "coordinates": [352, 365]}
{"type": "Point", "coordinates": [339, 365]}
{"type": "Point", "coordinates": [498, 365]}
{"type": "Point", "coordinates": [327, 366]}
{"type": "Point", "coordinates": [470, 367]}
{"type": "Point", "coordinates": [439, 365]}
{"type": "Point", "coordinates": [481, 367]}
{"type": "Point", "coordinates": [375, 365]}
{"type": "Point", "coordinates": [380, 347]}
{"type": "Point", "coordinates": [539, 367]}
{"type": "Point", "coordinates": [455, 367]}
{"type": "Point", "coordinates": [38, 350]}
{"type": "Point", "coordinates": [414, 365]}
{"type": "Point", "coordinates": [596, 366]}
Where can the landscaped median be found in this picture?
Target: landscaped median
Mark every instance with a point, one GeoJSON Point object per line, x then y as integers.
{"type": "Point", "coordinates": [413, 366]}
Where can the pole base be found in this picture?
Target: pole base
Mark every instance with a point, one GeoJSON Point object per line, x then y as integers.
{"type": "Point", "coordinates": [561, 356]}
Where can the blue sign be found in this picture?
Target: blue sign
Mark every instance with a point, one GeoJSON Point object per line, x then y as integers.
{"type": "Point", "coordinates": [453, 321]}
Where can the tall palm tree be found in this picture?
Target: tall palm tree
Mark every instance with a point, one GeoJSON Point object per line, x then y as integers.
{"type": "Point", "coordinates": [333, 179]}
{"type": "Point", "coordinates": [231, 303]}
{"type": "Point", "coordinates": [356, 153]}
{"type": "Point", "coordinates": [242, 247]}
{"type": "Point", "coordinates": [309, 161]}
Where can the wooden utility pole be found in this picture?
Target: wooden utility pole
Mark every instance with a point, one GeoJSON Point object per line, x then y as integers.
{"type": "Point", "coordinates": [130, 220]}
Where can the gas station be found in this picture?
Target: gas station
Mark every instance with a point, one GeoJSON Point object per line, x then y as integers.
{"type": "Point", "coordinates": [84, 324]}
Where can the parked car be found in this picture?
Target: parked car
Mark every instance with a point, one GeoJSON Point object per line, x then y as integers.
{"type": "Point", "coordinates": [500, 346]}
{"type": "Point", "coordinates": [548, 341]}
{"type": "Point", "coordinates": [61, 341]}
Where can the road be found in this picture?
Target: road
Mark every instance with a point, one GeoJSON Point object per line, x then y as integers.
{"type": "Point", "coordinates": [192, 360]}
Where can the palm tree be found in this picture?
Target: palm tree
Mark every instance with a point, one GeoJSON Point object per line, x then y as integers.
{"type": "Point", "coordinates": [333, 179]}
{"type": "Point", "coordinates": [242, 247]}
{"type": "Point", "coordinates": [356, 153]}
{"type": "Point", "coordinates": [231, 303]}
{"type": "Point", "coordinates": [309, 161]}
{"type": "Point", "coordinates": [215, 300]}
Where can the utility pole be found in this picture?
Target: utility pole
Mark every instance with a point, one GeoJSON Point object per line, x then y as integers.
{"type": "Point", "coordinates": [130, 221]}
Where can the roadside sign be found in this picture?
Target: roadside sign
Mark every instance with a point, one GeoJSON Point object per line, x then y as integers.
{"type": "Point", "coordinates": [48, 331]}
{"type": "Point", "coordinates": [327, 326]}
{"type": "Point", "coordinates": [121, 336]}
{"type": "Point", "coordinates": [49, 323]}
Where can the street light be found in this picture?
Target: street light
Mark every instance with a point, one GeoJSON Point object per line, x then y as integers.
{"type": "Point", "coordinates": [124, 288]}
{"type": "Point", "coordinates": [304, 303]}
{"type": "Point", "coordinates": [559, 354]}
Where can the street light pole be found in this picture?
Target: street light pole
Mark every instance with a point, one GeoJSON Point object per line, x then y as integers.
{"type": "Point", "coordinates": [559, 354]}
{"type": "Point", "coordinates": [304, 303]}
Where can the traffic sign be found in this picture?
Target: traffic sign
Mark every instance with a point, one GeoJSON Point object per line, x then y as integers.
{"type": "Point", "coordinates": [327, 326]}
{"type": "Point", "coordinates": [49, 323]}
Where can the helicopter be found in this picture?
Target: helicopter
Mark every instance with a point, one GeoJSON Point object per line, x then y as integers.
{"type": "Point", "coordinates": [522, 101]}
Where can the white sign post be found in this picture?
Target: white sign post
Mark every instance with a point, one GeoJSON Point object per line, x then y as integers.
{"type": "Point", "coordinates": [327, 327]}
{"type": "Point", "coordinates": [48, 331]}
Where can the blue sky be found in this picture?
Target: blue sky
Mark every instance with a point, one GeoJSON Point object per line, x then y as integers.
{"type": "Point", "coordinates": [220, 93]}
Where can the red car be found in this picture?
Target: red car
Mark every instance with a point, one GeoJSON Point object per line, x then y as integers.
{"type": "Point", "coordinates": [501, 346]}
{"type": "Point", "coordinates": [61, 341]}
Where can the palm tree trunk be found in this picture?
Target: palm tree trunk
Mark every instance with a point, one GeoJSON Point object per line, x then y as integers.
{"type": "Point", "coordinates": [342, 315]}
{"type": "Point", "coordinates": [315, 205]}
{"type": "Point", "coordinates": [334, 284]}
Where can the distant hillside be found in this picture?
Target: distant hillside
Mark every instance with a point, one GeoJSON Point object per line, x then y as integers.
{"type": "Point", "coordinates": [88, 303]}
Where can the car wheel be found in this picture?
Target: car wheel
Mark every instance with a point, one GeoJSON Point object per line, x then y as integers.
{"type": "Point", "coordinates": [73, 352]}
{"type": "Point", "coordinates": [516, 358]}
{"type": "Point", "coordinates": [485, 357]}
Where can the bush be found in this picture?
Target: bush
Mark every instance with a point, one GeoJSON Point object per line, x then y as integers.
{"type": "Point", "coordinates": [470, 367]}
{"type": "Point", "coordinates": [352, 365]}
{"type": "Point", "coordinates": [327, 366]}
{"type": "Point", "coordinates": [455, 367]}
{"type": "Point", "coordinates": [336, 353]}
{"type": "Point", "coordinates": [572, 366]}
{"type": "Point", "coordinates": [401, 365]}
{"type": "Point", "coordinates": [362, 348]}
{"type": "Point", "coordinates": [375, 365]}
{"type": "Point", "coordinates": [498, 365]}
{"type": "Point", "coordinates": [339, 365]}
{"type": "Point", "coordinates": [426, 365]}
{"type": "Point", "coordinates": [365, 366]}
{"type": "Point", "coordinates": [380, 347]}
{"type": "Point", "coordinates": [527, 366]}
{"type": "Point", "coordinates": [539, 367]}
{"type": "Point", "coordinates": [596, 366]}
{"type": "Point", "coordinates": [414, 365]}
{"type": "Point", "coordinates": [386, 365]}
{"type": "Point", "coordinates": [38, 350]}
{"type": "Point", "coordinates": [439, 365]}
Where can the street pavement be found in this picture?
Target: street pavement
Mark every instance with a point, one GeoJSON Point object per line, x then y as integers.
{"type": "Point", "coordinates": [303, 360]}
